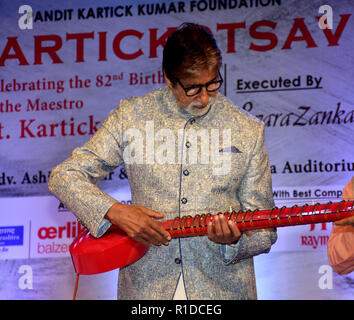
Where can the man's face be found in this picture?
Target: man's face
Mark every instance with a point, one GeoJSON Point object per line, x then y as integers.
{"type": "Point", "coordinates": [198, 104]}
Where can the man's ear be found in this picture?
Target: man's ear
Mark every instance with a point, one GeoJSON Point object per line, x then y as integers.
{"type": "Point", "coordinates": [169, 83]}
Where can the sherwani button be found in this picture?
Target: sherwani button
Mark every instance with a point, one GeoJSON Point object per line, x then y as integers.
{"type": "Point", "coordinates": [186, 172]}
{"type": "Point", "coordinates": [177, 260]}
{"type": "Point", "coordinates": [184, 200]}
{"type": "Point", "coordinates": [188, 144]}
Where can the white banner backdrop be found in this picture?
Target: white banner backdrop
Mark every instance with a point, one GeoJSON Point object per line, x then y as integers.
{"type": "Point", "coordinates": [64, 66]}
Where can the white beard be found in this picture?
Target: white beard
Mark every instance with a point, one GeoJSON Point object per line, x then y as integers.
{"type": "Point", "coordinates": [199, 112]}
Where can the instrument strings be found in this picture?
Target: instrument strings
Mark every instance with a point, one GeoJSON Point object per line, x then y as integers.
{"type": "Point", "coordinates": [249, 216]}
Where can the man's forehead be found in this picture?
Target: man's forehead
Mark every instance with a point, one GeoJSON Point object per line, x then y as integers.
{"type": "Point", "coordinates": [200, 77]}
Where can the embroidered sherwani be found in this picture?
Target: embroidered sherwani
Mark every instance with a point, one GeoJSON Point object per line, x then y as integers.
{"type": "Point", "coordinates": [165, 176]}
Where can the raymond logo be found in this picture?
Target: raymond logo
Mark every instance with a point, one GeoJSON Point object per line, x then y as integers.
{"type": "Point", "coordinates": [315, 241]}
{"type": "Point", "coordinates": [323, 226]}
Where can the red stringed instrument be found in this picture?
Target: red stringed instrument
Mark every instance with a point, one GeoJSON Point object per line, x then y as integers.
{"type": "Point", "coordinates": [116, 250]}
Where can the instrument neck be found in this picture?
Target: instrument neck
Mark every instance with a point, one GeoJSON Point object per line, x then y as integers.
{"type": "Point", "coordinates": [186, 226]}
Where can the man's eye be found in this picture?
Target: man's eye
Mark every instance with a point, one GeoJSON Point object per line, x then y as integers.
{"type": "Point", "coordinates": [192, 89]}
{"type": "Point", "coordinates": [212, 85]}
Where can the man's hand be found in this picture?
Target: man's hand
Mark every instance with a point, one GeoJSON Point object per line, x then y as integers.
{"type": "Point", "coordinates": [224, 231]}
{"type": "Point", "coordinates": [345, 222]}
{"type": "Point", "coordinates": [138, 224]}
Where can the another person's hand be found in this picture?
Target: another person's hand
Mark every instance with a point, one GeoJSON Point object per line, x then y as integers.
{"type": "Point", "coordinates": [223, 231]}
{"type": "Point", "coordinates": [138, 223]}
{"type": "Point", "coordinates": [345, 222]}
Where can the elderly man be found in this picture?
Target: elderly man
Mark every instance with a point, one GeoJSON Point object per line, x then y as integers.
{"type": "Point", "coordinates": [177, 174]}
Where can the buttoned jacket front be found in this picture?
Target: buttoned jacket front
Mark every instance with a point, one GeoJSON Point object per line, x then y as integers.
{"type": "Point", "coordinates": [177, 164]}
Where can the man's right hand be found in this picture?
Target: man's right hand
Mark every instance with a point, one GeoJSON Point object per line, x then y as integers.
{"type": "Point", "coordinates": [138, 224]}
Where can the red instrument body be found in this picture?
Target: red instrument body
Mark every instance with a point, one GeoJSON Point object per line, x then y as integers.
{"type": "Point", "coordinates": [116, 250]}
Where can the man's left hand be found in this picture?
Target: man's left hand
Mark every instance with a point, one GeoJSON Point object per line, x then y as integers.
{"type": "Point", "coordinates": [224, 231]}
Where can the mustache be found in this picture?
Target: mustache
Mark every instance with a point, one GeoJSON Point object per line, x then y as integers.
{"type": "Point", "coordinates": [198, 103]}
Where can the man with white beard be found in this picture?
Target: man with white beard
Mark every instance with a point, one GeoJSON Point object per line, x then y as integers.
{"type": "Point", "coordinates": [219, 266]}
